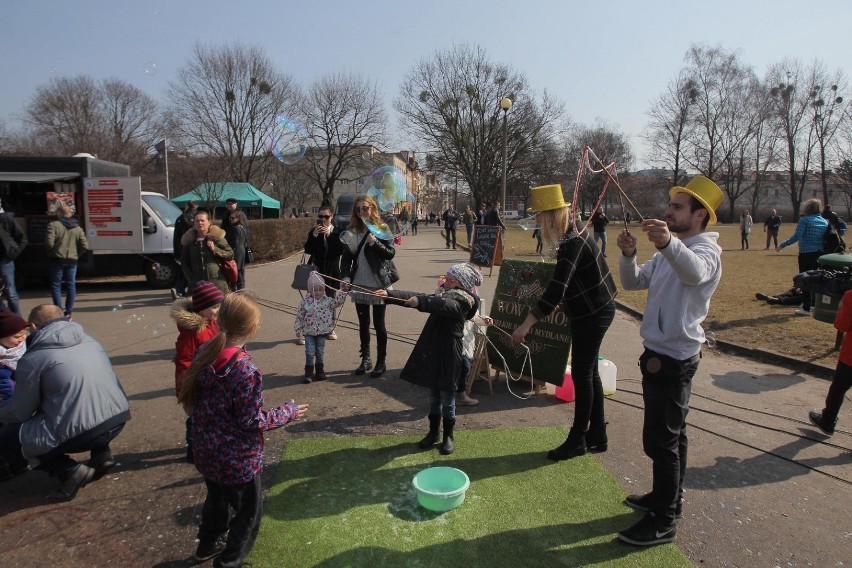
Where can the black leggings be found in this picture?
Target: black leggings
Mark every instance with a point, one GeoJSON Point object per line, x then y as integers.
{"type": "Point", "coordinates": [363, 311]}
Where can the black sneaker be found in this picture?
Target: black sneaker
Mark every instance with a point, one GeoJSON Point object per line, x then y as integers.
{"type": "Point", "coordinates": [817, 420]}
{"type": "Point", "coordinates": [206, 551]}
{"type": "Point", "coordinates": [650, 530]}
{"type": "Point", "coordinates": [642, 503]}
{"type": "Point", "coordinates": [761, 297]}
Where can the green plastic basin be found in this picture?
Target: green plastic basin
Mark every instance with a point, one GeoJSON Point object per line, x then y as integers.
{"type": "Point", "coordinates": [440, 489]}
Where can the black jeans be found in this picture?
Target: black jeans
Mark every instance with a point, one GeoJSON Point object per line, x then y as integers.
{"type": "Point", "coordinates": [586, 337]}
{"type": "Point", "coordinates": [808, 261]}
{"type": "Point", "coordinates": [56, 462]}
{"type": "Point", "coordinates": [242, 528]}
{"type": "Point", "coordinates": [451, 236]}
{"type": "Point", "coordinates": [666, 386]}
{"type": "Point", "coordinates": [363, 311]}
{"type": "Point", "coordinates": [837, 391]}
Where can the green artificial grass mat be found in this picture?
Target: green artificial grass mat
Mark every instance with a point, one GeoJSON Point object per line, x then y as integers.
{"type": "Point", "coordinates": [349, 501]}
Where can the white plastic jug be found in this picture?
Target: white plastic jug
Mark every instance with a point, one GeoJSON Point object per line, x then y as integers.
{"type": "Point", "coordinates": [607, 371]}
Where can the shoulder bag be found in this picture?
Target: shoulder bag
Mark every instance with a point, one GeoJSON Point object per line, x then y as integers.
{"type": "Point", "coordinates": [300, 276]}
{"type": "Point", "coordinates": [229, 270]}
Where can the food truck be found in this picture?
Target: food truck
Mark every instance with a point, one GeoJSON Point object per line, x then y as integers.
{"type": "Point", "coordinates": [130, 231]}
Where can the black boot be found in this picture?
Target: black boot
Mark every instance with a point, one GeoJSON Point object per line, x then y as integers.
{"type": "Point", "coordinates": [366, 365]}
{"type": "Point", "coordinates": [320, 376]}
{"type": "Point", "coordinates": [821, 421]}
{"type": "Point", "coordinates": [573, 446]}
{"type": "Point", "coordinates": [596, 440]}
{"type": "Point", "coordinates": [309, 374]}
{"type": "Point", "coordinates": [448, 446]}
{"type": "Point", "coordinates": [379, 369]}
{"type": "Point", "coordinates": [434, 430]}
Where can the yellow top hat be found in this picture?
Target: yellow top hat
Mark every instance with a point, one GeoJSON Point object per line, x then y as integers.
{"type": "Point", "coordinates": [705, 191]}
{"type": "Point", "coordinates": [545, 198]}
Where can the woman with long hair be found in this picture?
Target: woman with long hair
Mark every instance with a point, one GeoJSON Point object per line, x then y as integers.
{"type": "Point", "coordinates": [583, 285]}
{"type": "Point", "coordinates": [365, 264]}
{"type": "Point", "coordinates": [222, 392]}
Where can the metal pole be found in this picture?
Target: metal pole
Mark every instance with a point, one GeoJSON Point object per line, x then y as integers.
{"type": "Point", "coordinates": [166, 159]}
{"type": "Point", "coordinates": [503, 177]}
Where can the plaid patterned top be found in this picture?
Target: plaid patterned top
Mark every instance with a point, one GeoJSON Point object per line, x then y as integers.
{"type": "Point", "coordinates": [809, 233]}
{"type": "Point", "coordinates": [581, 280]}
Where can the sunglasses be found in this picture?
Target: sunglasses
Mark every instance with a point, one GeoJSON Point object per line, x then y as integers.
{"type": "Point", "coordinates": [362, 208]}
{"type": "Point", "coordinates": [323, 216]}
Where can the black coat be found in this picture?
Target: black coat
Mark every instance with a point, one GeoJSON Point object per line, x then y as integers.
{"type": "Point", "coordinates": [324, 252]}
{"type": "Point", "coordinates": [376, 255]}
{"type": "Point", "coordinates": [436, 360]}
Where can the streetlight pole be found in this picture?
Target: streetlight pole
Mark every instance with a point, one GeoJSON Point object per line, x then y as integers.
{"type": "Point", "coordinates": [505, 105]}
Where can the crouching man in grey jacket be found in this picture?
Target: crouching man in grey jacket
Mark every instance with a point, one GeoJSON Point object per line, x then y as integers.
{"type": "Point", "coordinates": [67, 400]}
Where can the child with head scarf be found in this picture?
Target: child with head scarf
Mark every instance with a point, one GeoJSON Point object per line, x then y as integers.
{"type": "Point", "coordinates": [437, 359]}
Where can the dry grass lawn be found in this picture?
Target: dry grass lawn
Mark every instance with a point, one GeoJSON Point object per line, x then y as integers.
{"type": "Point", "coordinates": [735, 315]}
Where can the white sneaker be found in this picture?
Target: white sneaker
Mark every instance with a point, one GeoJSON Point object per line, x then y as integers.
{"type": "Point", "coordinates": [803, 312]}
{"type": "Point", "coordinates": [300, 341]}
{"type": "Point", "coordinates": [332, 336]}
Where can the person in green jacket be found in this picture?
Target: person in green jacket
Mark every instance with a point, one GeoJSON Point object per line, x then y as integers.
{"type": "Point", "coordinates": [204, 248]}
{"type": "Point", "coordinates": [66, 243]}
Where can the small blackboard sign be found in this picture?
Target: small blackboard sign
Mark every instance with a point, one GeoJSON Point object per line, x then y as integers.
{"type": "Point", "coordinates": [520, 285]}
{"type": "Point", "coordinates": [37, 228]}
{"type": "Point", "coordinates": [486, 239]}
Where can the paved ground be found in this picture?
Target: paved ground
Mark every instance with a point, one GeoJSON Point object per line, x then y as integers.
{"type": "Point", "coordinates": [764, 488]}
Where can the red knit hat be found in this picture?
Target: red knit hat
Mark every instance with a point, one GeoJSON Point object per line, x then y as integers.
{"type": "Point", "coordinates": [205, 295]}
{"type": "Point", "coordinates": [10, 323]}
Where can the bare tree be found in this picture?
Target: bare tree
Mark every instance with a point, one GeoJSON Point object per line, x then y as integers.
{"type": "Point", "coordinates": [791, 87]}
{"type": "Point", "coordinates": [829, 114]}
{"type": "Point", "coordinates": [451, 103]}
{"type": "Point", "coordinates": [720, 83]}
{"type": "Point", "coordinates": [223, 103]}
{"type": "Point", "coordinates": [344, 115]}
{"type": "Point", "coordinates": [670, 124]}
{"type": "Point", "coordinates": [112, 119]}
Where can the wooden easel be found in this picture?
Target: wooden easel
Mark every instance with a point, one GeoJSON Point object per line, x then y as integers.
{"type": "Point", "coordinates": [481, 366]}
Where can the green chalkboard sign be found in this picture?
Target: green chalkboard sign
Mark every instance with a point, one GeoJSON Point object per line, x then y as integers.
{"type": "Point", "coordinates": [520, 285]}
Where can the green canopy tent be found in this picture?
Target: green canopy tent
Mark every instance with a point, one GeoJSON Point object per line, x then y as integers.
{"type": "Point", "coordinates": [248, 197]}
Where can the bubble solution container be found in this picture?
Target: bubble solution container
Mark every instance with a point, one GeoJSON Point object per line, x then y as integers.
{"type": "Point", "coordinates": [565, 393]}
{"type": "Point", "coordinates": [440, 489]}
{"type": "Point", "coordinates": [607, 371]}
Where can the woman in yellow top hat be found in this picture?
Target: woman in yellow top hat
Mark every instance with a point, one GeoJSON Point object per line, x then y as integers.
{"type": "Point", "coordinates": [582, 283]}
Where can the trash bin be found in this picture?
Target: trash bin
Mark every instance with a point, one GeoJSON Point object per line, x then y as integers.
{"type": "Point", "coordinates": [825, 306]}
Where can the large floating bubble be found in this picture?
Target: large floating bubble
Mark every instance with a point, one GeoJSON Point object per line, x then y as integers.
{"type": "Point", "coordinates": [151, 68]}
{"type": "Point", "coordinates": [387, 186]}
{"type": "Point", "coordinates": [287, 139]}
{"type": "Point", "coordinates": [528, 223]}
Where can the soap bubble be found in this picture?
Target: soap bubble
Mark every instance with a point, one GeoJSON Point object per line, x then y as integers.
{"type": "Point", "coordinates": [528, 223]}
{"type": "Point", "coordinates": [117, 308]}
{"type": "Point", "coordinates": [381, 231]}
{"type": "Point", "coordinates": [287, 140]}
{"type": "Point", "coordinates": [151, 68]}
{"type": "Point", "coordinates": [158, 329]}
{"type": "Point", "coordinates": [387, 186]}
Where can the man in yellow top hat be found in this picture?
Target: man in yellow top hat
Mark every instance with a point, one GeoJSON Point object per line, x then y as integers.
{"type": "Point", "coordinates": [680, 278]}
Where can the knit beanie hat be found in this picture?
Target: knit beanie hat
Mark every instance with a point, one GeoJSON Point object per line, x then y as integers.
{"type": "Point", "coordinates": [10, 323]}
{"type": "Point", "coordinates": [315, 280]}
{"type": "Point", "coordinates": [467, 275]}
{"type": "Point", "coordinates": [205, 295]}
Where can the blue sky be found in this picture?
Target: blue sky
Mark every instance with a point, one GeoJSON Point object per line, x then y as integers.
{"type": "Point", "coordinates": [604, 60]}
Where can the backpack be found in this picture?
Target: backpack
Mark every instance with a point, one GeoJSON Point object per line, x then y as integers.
{"type": "Point", "coordinates": [832, 242]}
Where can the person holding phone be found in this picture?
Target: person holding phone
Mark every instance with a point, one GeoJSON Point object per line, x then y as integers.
{"type": "Point", "coordinates": [324, 248]}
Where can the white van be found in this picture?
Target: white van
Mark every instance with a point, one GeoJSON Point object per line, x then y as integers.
{"type": "Point", "coordinates": [511, 215]}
